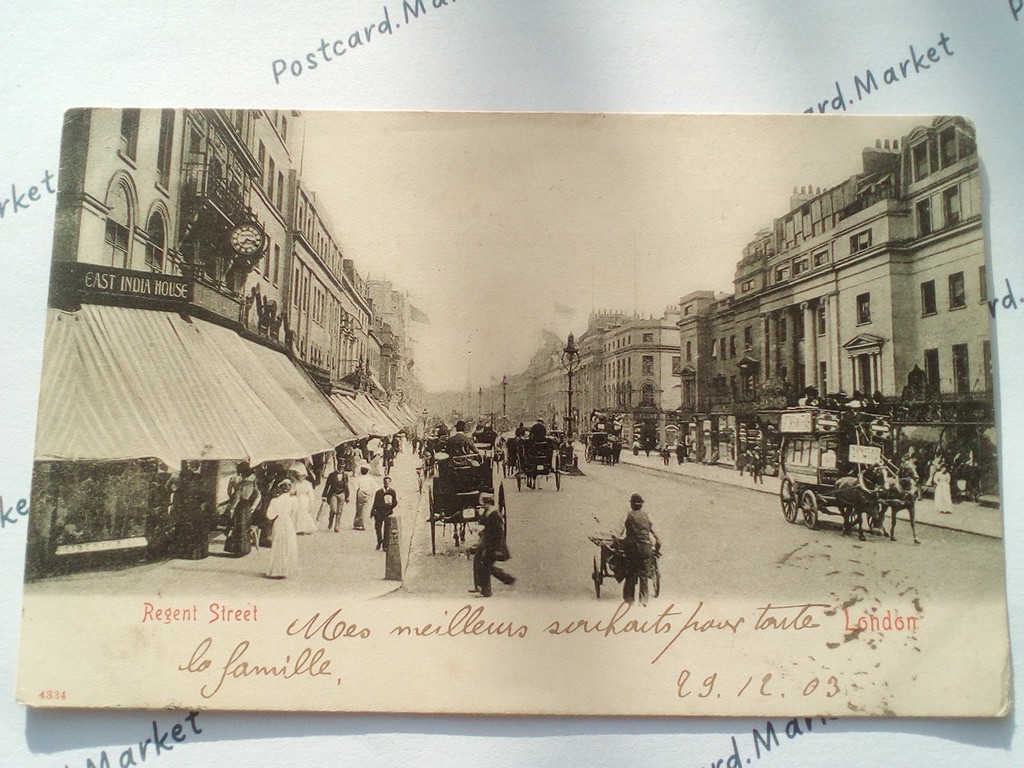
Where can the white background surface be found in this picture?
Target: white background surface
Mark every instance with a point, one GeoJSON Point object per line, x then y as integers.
{"type": "Point", "coordinates": [533, 55]}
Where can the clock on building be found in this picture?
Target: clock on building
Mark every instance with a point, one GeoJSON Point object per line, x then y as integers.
{"type": "Point", "coordinates": [247, 239]}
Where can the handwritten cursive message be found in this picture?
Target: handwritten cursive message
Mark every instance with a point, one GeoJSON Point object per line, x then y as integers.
{"type": "Point", "coordinates": [160, 742]}
{"type": "Point", "coordinates": [7, 513]}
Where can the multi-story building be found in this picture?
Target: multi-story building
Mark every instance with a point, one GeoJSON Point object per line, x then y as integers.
{"type": "Point", "coordinates": [873, 288]}
{"type": "Point", "coordinates": [191, 269]}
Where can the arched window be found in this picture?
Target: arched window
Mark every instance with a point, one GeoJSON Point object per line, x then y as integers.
{"type": "Point", "coordinates": [118, 229]}
{"type": "Point", "coordinates": [647, 395]}
{"type": "Point", "coordinates": [156, 245]}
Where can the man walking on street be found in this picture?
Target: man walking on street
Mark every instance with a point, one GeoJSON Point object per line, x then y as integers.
{"type": "Point", "coordinates": [491, 548]}
{"type": "Point", "coordinates": [384, 502]}
{"type": "Point", "coordinates": [336, 494]}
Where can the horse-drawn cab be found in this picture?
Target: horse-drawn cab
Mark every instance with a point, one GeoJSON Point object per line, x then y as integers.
{"type": "Point", "coordinates": [462, 491]}
{"type": "Point", "coordinates": [605, 437]}
{"type": "Point", "coordinates": [828, 461]}
{"type": "Point", "coordinates": [565, 449]}
{"type": "Point", "coordinates": [538, 458]}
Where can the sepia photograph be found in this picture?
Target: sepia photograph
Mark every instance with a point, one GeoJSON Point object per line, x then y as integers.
{"type": "Point", "coordinates": [517, 413]}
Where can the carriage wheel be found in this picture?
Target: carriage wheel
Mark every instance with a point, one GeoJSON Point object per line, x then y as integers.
{"type": "Point", "coordinates": [809, 505]}
{"type": "Point", "coordinates": [596, 576]}
{"type": "Point", "coordinates": [788, 497]}
{"type": "Point", "coordinates": [589, 455]}
{"type": "Point", "coordinates": [433, 521]}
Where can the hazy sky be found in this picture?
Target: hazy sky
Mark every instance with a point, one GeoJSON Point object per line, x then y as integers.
{"type": "Point", "coordinates": [490, 220]}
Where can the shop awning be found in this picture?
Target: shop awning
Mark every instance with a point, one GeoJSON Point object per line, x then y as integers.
{"type": "Point", "coordinates": [353, 415]}
{"type": "Point", "coordinates": [285, 389]}
{"type": "Point", "coordinates": [122, 383]}
{"type": "Point", "coordinates": [380, 423]}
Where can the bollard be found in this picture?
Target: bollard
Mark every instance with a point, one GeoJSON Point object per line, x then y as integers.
{"type": "Point", "coordinates": [393, 550]}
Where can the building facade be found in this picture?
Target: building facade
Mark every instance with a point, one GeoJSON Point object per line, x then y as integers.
{"type": "Point", "coordinates": [873, 288]}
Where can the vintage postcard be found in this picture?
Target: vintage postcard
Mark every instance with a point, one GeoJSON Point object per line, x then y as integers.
{"type": "Point", "coordinates": [492, 413]}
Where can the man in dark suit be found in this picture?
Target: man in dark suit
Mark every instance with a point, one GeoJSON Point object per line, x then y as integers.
{"type": "Point", "coordinates": [538, 431]}
{"type": "Point", "coordinates": [384, 502]}
{"type": "Point", "coordinates": [490, 549]}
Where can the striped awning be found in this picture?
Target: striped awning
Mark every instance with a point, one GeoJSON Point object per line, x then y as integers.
{"type": "Point", "coordinates": [122, 383]}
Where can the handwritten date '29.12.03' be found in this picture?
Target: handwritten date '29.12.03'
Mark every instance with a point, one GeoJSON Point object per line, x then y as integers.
{"type": "Point", "coordinates": [750, 686]}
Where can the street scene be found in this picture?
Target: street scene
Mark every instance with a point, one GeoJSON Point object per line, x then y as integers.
{"type": "Point", "coordinates": [618, 371]}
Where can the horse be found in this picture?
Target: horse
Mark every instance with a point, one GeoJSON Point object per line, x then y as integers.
{"type": "Point", "coordinates": [854, 498]}
{"type": "Point", "coordinates": [899, 491]}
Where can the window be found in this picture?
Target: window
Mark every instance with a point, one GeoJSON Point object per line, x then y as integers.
{"type": "Point", "coordinates": [714, 348]}
{"type": "Point", "coordinates": [947, 146]}
{"type": "Point", "coordinates": [296, 288]}
{"type": "Point", "coordinates": [924, 217]}
{"type": "Point", "coordinates": [957, 291]}
{"type": "Point", "coordinates": [156, 243]}
{"type": "Point", "coordinates": [747, 285]}
{"type": "Point", "coordinates": [982, 283]}
{"type": "Point", "coordinates": [130, 131]}
{"type": "Point", "coordinates": [280, 191]}
{"type": "Point", "coordinates": [748, 338]}
{"type": "Point", "coordinates": [861, 241]}
{"type": "Point", "coordinates": [819, 316]}
{"type": "Point", "coordinates": [781, 273]}
{"type": "Point", "coordinates": [931, 371]}
{"type": "Point", "coordinates": [732, 346]}
{"type": "Point", "coordinates": [798, 326]}
{"type": "Point", "coordinates": [928, 306]}
{"type": "Point", "coordinates": [864, 309]}
{"type": "Point", "coordinates": [780, 332]}
{"type": "Point", "coordinates": [648, 365]}
{"type": "Point", "coordinates": [800, 267]}
{"type": "Point", "coordinates": [647, 395]}
{"type": "Point", "coordinates": [270, 178]}
{"type": "Point", "coordinates": [823, 377]}
{"type": "Point", "coordinates": [677, 365]}
{"type": "Point", "coordinates": [961, 369]}
{"type": "Point", "coordinates": [689, 352]}
{"type": "Point", "coordinates": [163, 155]}
{"type": "Point", "coordinates": [284, 128]}
{"type": "Point", "coordinates": [261, 158]}
{"type": "Point", "coordinates": [648, 338]}
{"type": "Point", "coordinates": [118, 227]}
{"type": "Point", "coordinates": [951, 206]}
{"type": "Point", "coordinates": [924, 161]}
{"type": "Point", "coordinates": [276, 271]}
{"type": "Point", "coordinates": [820, 258]}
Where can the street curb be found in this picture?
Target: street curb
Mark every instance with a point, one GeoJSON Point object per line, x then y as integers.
{"type": "Point", "coordinates": [664, 471]}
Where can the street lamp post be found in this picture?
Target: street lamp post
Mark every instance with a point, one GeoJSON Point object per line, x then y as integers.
{"type": "Point", "coordinates": [571, 363]}
{"type": "Point", "coordinates": [504, 391]}
{"type": "Point", "coordinates": [480, 401]}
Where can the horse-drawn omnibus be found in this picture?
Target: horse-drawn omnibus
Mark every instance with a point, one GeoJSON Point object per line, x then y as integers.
{"type": "Point", "coordinates": [834, 462]}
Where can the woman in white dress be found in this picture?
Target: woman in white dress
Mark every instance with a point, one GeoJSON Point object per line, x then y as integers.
{"type": "Point", "coordinates": [943, 490]}
{"type": "Point", "coordinates": [284, 551]}
{"type": "Point", "coordinates": [305, 500]}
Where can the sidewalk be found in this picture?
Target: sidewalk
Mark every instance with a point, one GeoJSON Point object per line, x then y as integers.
{"type": "Point", "coordinates": [344, 563]}
{"type": "Point", "coordinates": [968, 517]}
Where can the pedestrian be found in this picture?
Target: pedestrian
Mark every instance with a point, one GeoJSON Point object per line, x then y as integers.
{"type": "Point", "coordinates": [757, 466]}
{"type": "Point", "coordinates": [641, 546]}
{"type": "Point", "coordinates": [680, 452]}
{"type": "Point", "coordinates": [244, 497]}
{"type": "Point", "coordinates": [384, 502]}
{"type": "Point", "coordinates": [490, 549]}
{"type": "Point", "coordinates": [943, 489]}
{"type": "Point", "coordinates": [636, 447]}
{"type": "Point", "coordinates": [284, 549]}
{"type": "Point", "coordinates": [336, 494]}
{"type": "Point", "coordinates": [365, 489]}
{"type": "Point", "coordinates": [305, 498]}
{"type": "Point", "coordinates": [666, 454]}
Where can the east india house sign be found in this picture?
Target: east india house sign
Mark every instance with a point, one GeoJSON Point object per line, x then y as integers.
{"type": "Point", "coordinates": [73, 284]}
